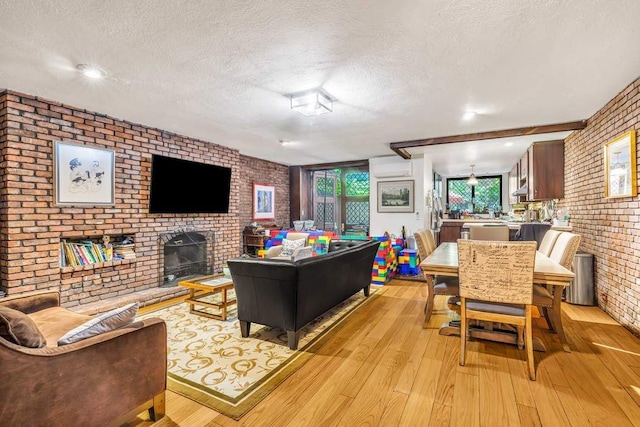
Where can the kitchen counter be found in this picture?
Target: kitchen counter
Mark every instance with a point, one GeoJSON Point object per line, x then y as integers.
{"type": "Point", "coordinates": [466, 223]}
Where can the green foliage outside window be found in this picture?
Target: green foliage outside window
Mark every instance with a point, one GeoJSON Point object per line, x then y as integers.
{"type": "Point", "coordinates": [484, 196]}
{"type": "Point", "coordinates": [357, 183]}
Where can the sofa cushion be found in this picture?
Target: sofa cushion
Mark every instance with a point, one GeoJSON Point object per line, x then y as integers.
{"type": "Point", "coordinates": [109, 321]}
{"type": "Point", "coordinates": [17, 327]}
{"type": "Point", "coordinates": [288, 246]}
{"type": "Point", "coordinates": [54, 322]}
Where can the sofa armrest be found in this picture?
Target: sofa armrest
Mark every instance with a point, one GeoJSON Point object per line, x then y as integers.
{"type": "Point", "coordinates": [70, 383]}
{"type": "Point", "coordinates": [273, 251]}
{"type": "Point", "coordinates": [32, 301]}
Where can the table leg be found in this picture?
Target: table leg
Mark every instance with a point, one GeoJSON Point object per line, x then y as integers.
{"type": "Point", "coordinates": [428, 308]}
{"type": "Point", "coordinates": [224, 304]}
{"type": "Point", "coordinates": [192, 294]}
{"type": "Point", "coordinates": [557, 319]}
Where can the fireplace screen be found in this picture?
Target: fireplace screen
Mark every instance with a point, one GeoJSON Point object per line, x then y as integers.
{"type": "Point", "coordinates": [186, 254]}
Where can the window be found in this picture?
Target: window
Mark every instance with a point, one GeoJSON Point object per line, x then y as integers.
{"type": "Point", "coordinates": [340, 199]}
{"type": "Point", "coordinates": [480, 198]}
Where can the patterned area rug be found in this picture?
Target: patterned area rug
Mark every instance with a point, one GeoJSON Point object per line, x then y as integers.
{"type": "Point", "coordinates": [209, 361]}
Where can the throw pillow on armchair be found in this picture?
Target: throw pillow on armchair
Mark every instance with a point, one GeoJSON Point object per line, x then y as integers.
{"type": "Point", "coordinates": [288, 246]}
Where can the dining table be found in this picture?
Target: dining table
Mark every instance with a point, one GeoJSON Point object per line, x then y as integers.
{"type": "Point", "coordinates": [443, 261]}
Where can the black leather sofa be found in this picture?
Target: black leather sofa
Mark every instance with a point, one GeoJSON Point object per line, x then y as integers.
{"type": "Point", "coordinates": [290, 294]}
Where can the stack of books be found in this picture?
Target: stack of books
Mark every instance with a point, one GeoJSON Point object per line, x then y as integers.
{"type": "Point", "coordinates": [124, 251]}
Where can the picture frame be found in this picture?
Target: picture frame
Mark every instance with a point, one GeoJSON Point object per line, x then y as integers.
{"type": "Point", "coordinates": [83, 175]}
{"type": "Point", "coordinates": [620, 166]}
{"type": "Point", "coordinates": [396, 196]}
{"type": "Point", "coordinates": [263, 202]}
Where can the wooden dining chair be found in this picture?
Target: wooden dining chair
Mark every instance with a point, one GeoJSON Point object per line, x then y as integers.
{"type": "Point", "coordinates": [563, 252]}
{"type": "Point", "coordinates": [489, 232]}
{"type": "Point", "coordinates": [496, 285]}
{"type": "Point", "coordinates": [426, 244]}
{"type": "Point", "coordinates": [549, 239]}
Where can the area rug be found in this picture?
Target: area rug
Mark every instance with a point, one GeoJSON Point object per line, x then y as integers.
{"type": "Point", "coordinates": [209, 361]}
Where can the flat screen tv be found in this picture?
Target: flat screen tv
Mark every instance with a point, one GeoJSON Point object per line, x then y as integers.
{"type": "Point", "coordinates": [183, 186]}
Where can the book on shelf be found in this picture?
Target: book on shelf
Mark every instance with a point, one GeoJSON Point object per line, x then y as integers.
{"type": "Point", "coordinates": [83, 253]}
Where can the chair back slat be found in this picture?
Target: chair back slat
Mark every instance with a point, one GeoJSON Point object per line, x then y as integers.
{"type": "Point", "coordinates": [549, 239]}
{"type": "Point", "coordinates": [426, 242]}
{"type": "Point", "coordinates": [496, 271]}
{"type": "Point", "coordinates": [565, 249]}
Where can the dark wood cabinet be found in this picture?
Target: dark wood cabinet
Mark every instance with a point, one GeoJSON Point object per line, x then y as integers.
{"type": "Point", "coordinates": [514, 183]}
{"type": "Point", "coordinates": [545, 179]}
{"type": "Point", "coordinates": [450, 231]}
{"type": "Point", "coordinates": [252, 242]}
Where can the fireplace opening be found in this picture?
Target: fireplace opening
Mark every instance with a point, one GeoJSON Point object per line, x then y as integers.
{"type": "Point", "coordinates": [186, 254]}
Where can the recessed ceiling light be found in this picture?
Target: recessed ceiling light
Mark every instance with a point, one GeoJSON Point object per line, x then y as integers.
{"type": "Point", "coordinates": [90, 71]}
{"type": "Point", "coordinates": [469, 115]}
{"type": "Point", "coordinates": [508, 144]}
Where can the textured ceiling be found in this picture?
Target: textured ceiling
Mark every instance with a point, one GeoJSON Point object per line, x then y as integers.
{"type": "Point", "coordinates": [402, 70]}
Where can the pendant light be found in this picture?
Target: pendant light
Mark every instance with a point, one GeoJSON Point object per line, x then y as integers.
{"type": "Point", "coordinates": [472, 178]}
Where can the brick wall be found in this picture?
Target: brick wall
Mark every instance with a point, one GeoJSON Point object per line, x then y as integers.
{"type": "Point", "coordinates": [609, 227]}
{"type": "Point", "coordinates": [268, 173]}
{"type": "Point", "coordinates": [32, 226]}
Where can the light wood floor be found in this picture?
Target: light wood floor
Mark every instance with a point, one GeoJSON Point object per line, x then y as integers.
{"type": "Point", "coordinates": [383, 369]}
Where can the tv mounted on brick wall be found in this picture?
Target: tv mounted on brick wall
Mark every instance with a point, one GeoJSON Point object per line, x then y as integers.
{"type": "Point", "coordinates": [183, 186]}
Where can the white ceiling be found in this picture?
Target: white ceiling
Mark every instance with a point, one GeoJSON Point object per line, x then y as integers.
{"type": "Point", "coordinates": [402, 70]}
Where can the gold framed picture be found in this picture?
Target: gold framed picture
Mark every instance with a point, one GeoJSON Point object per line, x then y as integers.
{"type": "Point", "coordinates": [620, 166]}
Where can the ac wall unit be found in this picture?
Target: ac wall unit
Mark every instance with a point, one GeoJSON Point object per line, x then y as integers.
{"type": "Point", "coordinates": [392, 170]}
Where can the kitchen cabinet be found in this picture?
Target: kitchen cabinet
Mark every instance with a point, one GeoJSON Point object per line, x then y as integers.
{"type": "Point", "coordinates": [450, 231]}
{"type": "Point", "coordinates": [514, 183]}
{"type": "Point", "coordinates": [540, 173]}
{"type": "Point", "coordinates": [523, 169]}
{"type": "Point", "coordinates": [545, 175]}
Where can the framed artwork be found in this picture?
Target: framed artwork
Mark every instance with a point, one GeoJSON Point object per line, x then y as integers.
{"type": "Point", "coordinates": [263, 201]}
{"type": "Point", "coordinates": [395, 196]}
{"type": "Point", "coordinates": [83, 175]}
{"type": "Point", "coordinates": [620, 166]}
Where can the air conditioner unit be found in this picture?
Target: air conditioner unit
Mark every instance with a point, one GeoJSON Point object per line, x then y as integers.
{"type": "Point", "coordinates": [392, 170]}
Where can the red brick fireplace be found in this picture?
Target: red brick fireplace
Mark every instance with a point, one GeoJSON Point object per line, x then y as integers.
{"type": "Point", "coordinates": [32, 226]}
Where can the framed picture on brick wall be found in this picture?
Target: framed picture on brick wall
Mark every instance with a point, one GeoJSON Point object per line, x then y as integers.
{"type": "Point", "coordinates": [620, 166]}
{"type": "Point", "coordinates": [83, 175]}
{"type": "Point", "coordinates": [263, 201]}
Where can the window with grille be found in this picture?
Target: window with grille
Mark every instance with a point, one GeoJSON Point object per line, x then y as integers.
{"type": "Point", "coordinates": [486, 195]}
{"type": "Point", "coordinates": [341, 199]}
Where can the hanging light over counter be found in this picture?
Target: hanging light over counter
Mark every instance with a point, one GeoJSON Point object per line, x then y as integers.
{"type": "Point", "coordinates": [472, 178]}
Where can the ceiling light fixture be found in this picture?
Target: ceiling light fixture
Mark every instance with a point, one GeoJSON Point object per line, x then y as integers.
{"type": "Point", "coordinates": [91, 71]}
{"type": "Point", "coordinates": [312, 102]}
{"type": "Point", "coordinates": [469, 115]}
{"type": "Point", "coordinates": [508, 144]}
{"type": "Point", "coordinates": [472, 178]}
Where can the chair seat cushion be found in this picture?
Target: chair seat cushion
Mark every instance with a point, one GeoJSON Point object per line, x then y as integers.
{"type": "Point", "coordinates": [496, 307]}
{"type": "Point", "coordinates": [446, 285]}
{"type": "Point", "coordinates": [541, 296]}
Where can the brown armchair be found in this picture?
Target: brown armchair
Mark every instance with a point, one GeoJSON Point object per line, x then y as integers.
{"type": "Point", "coordinates": [103, 380]}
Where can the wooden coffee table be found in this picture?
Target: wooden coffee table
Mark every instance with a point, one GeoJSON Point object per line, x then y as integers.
{"type": "Point", "coordinates": [204, 286]}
